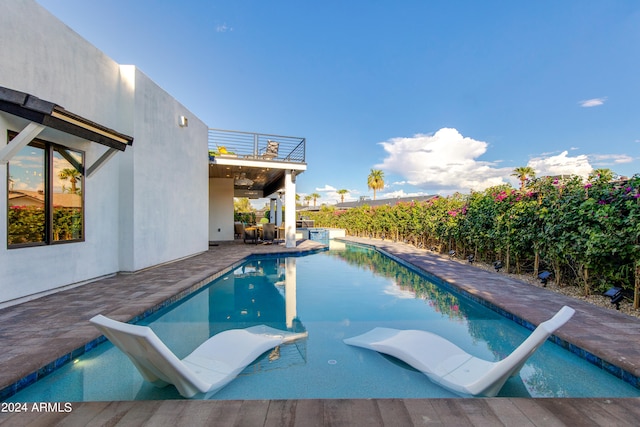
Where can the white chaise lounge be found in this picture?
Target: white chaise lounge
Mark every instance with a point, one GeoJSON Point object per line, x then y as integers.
{"type": "Point", "coordinates": [450, 366]}
{"type": "Point", "coordinates": [211, 366]}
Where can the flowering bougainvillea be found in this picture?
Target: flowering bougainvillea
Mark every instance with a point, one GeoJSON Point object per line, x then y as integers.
{"type": "Point", "coordinates": [587, 234]}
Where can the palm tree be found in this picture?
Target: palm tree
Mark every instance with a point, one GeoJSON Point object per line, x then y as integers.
{"type": "Point", "coordinates": [307, 199]}
{"type": "Point", "coordinates": [72, 175]}
{"type": "Point", "coordinates": [601, 176]}
{"type": "Point", "coordinates": [523, 173]}
{"type": "Point", "coordinates": [342, 193]}
{"type": "Point", "coordinates": [375, 181]}
{"type": "Point", "coordinates": [315, 196]}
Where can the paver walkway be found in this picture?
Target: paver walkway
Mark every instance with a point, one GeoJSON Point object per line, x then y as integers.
{"type": "Point", "coordinates": [35, 333]}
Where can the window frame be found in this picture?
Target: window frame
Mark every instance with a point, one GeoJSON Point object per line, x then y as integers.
{"type": "Point", "coordinates": [49, 149]}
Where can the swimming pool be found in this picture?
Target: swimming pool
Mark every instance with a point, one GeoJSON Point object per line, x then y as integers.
{"type": "Point", "coordinates": [333, 295]}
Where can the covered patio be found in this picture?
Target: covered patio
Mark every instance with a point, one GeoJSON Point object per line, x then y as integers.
{"type": "Point", "coordinates": [254, 165]}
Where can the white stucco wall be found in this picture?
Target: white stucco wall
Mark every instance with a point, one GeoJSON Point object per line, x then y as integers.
{"type": "Point", "coordinates": [170, 180]}
{"type": "Point", "coordinates": [146, 206]}
{"type": "Point", "coordinates": [221, 209]}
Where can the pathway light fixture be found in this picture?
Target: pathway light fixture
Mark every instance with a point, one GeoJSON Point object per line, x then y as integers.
{"type": "Point", "coordinates": [616, 296]}
{"type": "Point", "coordinates": [544, 277]}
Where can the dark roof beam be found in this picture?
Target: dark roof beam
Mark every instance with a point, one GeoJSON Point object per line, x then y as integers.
{"type": "Point", "coordinates": [51, 115]}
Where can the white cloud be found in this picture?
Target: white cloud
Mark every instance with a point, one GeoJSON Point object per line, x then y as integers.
{"type": "Point", "coordinates": [611, 159]}
{"type": "Point", "coordinates": [594, 102]}
{"type": "Point", "coordinates": [447, 161]}
{"type": "Point", "coordinates": [561, 164]}
{"type": "Point", "coordinates": [223, 28]}
{"type": "Point", "coordinates": [443, 161]}
{"type": "Point", "coordinates": [331, 195]}
{"type": "Point", "coordinates": [401, 193]}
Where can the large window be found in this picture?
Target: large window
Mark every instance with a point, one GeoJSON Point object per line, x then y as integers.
{"type": "Point", "coordinates": [45, 195]}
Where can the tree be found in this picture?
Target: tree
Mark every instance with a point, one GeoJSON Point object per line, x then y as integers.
{"type": "Point", "coordinates": [601, 176]}
{"type": "Point", "coordinates": [307, 199]}
{"type": "Point", "coordinates": [375, 181]}
{"type": "Point", "coordinates": [315, 197]}
{"type": "Point", "coordinates": [72, 175]}
{"type": "Point", "coordinates": [242, 204]}
{"type": "Point", "coordinates": [523, 173]}
{"type": "Point", "coordinates": [342, 193]}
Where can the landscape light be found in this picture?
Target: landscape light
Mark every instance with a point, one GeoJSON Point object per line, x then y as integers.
{"type": "Point", "coordinates": [616, 296]}
{"type": "Point", "coordinates": [452, 253]}
{"type": "Point", "coordinates": [544, 277]}
{"type": "Point", "coordinates": [497, 265]}
{"type": "Point", "coordinates": [471, 258]}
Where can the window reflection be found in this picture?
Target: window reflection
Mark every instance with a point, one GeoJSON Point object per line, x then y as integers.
{"type": "Point", "coordinates": [45, 195]}
{"type": "Point", "coordinates": [27, 196]}
{"type": "Point", "coordinates": [67, 194]}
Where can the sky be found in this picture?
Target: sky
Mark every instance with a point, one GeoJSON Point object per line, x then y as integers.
{"type": "Point", "coordinates": [442, 96]}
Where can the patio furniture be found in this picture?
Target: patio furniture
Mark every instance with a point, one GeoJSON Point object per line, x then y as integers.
{"type": "Point", "coordinates": [251, 234]}
{"type": "Point", "coordinates": [451, 367]}
{"type": "Point", "coordinates": [268, 232]}
{"type": "Point", "coordinates": [238, 230]}
{"type": "Point", "coordinates": [271, 151]}
{"type": "Point", "coordinates": [211, 366]}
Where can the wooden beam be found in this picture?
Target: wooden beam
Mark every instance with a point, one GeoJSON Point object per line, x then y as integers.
{"type": "Point", "coordinates": [20, 141]}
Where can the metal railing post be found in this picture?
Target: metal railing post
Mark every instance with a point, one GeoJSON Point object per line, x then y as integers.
{"type": "Point", "coordinates": [255, 144]}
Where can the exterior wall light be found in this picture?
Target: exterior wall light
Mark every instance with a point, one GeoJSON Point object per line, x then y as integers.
{"type": "Point", "coordinates": [183, 122]}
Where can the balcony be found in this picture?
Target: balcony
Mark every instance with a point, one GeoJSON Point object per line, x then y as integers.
{"type": "Point", "coordinates": [256, 146]}
{"type": "Point", "coordinates": [257, 162]}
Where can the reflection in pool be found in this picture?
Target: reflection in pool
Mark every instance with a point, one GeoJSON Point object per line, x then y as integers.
{"type": "Point", "coordinates": [333, 295]}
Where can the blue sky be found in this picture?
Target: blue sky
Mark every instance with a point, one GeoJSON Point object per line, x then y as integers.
{"type": "Point", "coordinates": [443, 96]}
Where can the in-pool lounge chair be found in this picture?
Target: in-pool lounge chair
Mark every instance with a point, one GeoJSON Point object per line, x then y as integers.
{"type": "Point", "coordinates": [211, 366]}
{"type": "Point", "coordinates": [450, 366]}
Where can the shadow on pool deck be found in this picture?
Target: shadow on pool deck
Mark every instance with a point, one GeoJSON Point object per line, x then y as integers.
{"type": "Point", "coordinates": [34, 334]}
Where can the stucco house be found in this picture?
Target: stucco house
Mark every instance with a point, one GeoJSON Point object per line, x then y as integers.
{"type": "Point", "coordinates": [115, 172]}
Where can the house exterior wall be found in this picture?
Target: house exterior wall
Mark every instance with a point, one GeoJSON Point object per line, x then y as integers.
{"type": "Point", "coordinates": [146, 206]}
{"type": "Point", "coordinates": [170, 180]}
{"type": "Point", "coordinates": [221, 209]}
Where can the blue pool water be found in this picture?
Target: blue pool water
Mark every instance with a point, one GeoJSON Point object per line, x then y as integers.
{"type": "Point", "coordinates": [333, 295]}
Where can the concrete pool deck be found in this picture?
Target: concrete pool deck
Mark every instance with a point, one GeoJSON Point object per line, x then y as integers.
{"type": "Point", "coordinates": [35, 334]}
